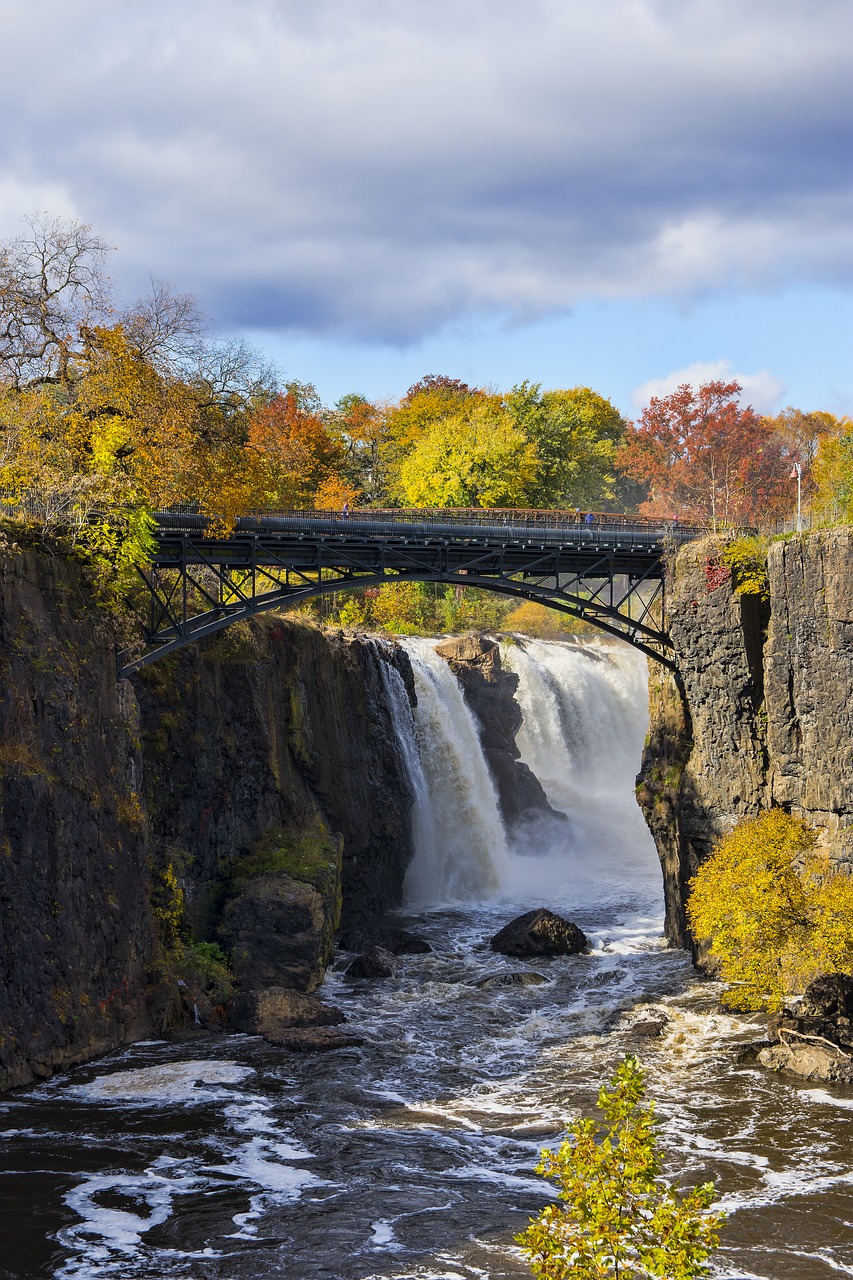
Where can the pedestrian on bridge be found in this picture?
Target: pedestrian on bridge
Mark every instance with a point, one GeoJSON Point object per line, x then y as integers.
{"type": "Point", "coordinates": [590, 518]}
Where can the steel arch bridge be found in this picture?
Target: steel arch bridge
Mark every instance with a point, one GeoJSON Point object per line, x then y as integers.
{"type": "Point", "coordinates": [605, 569]}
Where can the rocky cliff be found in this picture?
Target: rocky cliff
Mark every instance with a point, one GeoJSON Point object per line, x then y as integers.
{"type": "Point", "coordinates": [246, 777]}
{"type": "Point", "coordinates": [761, 712]}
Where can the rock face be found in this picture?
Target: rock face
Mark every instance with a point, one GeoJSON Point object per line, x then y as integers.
{"type": "Point", "coordinates": [279, 931]}
{"type": "Point", "coordinates": [539, 933]}
{"type": "Point", "coordinates": [762, 712]}
{"type": "Point", "coordinates": [490, 693]}
{"type": "Point", "coordinates": [125, 805]}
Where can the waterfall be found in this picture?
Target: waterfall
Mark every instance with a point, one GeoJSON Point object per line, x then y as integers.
{"type": "Point", "coordinates": [585, 708]}
{"type": "Point", "coordinates": [585, 716]}
{"type": "Point", "coordinates": [463, 857]}
{"type": "Point", "coordinates": [424, 834]}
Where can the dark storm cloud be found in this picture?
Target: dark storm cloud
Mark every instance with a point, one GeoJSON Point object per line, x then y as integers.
{"type": "Point", "coordinates": [379, 168]}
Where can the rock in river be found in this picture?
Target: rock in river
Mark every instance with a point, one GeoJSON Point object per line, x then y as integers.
{"type": "Point", "coordinates": [375, 963]}
{"type": "Point", "coordinates": [276, 1008]}
{"type": "Point", "coordinates": [539, 933]}
{"type": "Point", "coordinates": [315, 1039]}
{"type": "Point", "coordinates": [398, 941]}
{"type": "Point", "coordinates": [510, 980]}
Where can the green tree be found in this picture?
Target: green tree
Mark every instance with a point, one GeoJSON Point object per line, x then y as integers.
{"type": "Point", "coordinates": [575, 434]}
{"type": "Point", "coordinates": [474, 457]}
{"type": "Point", "coordinates": [775, 912]}
{"type": "Point", "coordinates": [619, 1217]}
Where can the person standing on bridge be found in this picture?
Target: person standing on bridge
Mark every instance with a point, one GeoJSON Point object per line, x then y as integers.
{"type": "Point", "coordinates": [345, 511]}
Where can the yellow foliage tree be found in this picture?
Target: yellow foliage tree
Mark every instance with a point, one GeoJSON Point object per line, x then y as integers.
{"type": "Point", "coordinates": [473, 458]}
{"type": "Point", "coordinates": [773, 910]}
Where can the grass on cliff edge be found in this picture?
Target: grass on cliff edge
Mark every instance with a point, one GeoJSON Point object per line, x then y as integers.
{"type": "Point", "coordinates": [309, 854]}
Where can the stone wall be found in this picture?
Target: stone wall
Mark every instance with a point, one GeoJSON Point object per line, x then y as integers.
{"type": "Point", "coordinates": [761, 712]}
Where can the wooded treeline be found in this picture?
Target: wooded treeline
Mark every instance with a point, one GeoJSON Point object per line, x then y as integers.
{"type": "Point", "coordinates": [136, 408]}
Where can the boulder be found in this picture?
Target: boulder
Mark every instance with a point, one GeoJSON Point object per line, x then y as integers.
{"type": "Point", "coordinates": [539, 933]}
{"type": "Point", "coordinates": [314, 1039]}
{"type": "Point", "coordinates": [653, 1023]}
{"type": "Point", "coordinates": [279, 931]}
{"type": "Point", "coordinates": [398, 941]}
{"type": "Point", "coordinates": [495, 980]}
{"type": "Point", "coordinates": [809, 1061]}
{"type": "Point", "coordinates": [830, 997]}
{"type": "Point", "coordinates": [375, 963]}
{"type": "Point", "coordinates": [277, 1008]}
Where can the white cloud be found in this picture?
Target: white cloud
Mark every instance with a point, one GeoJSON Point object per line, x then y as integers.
{"type": "Point", "coordinates": [762, 390]}
{"type": "Point", "coordinates": [380, 169]}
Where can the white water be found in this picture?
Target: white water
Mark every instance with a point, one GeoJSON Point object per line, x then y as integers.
{"type": "Point", "coordinates": [464, 857]}
{"type": "Point", "coordinates": [412, 1157]}
{"type": "Point", "coordinates": [585, 712]}
{"type": "Point", "coordinates": [585, 717]}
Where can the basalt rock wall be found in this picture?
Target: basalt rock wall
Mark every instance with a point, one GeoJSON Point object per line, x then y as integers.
{"type": "Point", "coordinates": [125, 805]}
{"type": "Point", "coordinates": [761, 712]}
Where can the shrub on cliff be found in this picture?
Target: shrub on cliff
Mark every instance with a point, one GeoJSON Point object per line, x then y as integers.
{"type": "Point", "coordinates": [619, 1217]}
{"type": "Point", "coordinates": [774, 911]}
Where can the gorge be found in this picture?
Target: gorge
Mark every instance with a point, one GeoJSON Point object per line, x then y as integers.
{"type": "Point", "coordinates": [279, 748]}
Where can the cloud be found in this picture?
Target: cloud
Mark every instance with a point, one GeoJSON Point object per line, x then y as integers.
{"type": "Point", "coordinates": [762, 390]}
{"type": "Point", "coordinates": [377, 170]}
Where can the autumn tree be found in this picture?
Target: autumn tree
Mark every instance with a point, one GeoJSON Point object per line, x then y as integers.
{"type": "Point", "coordinates": [473, 457]}
{"type": "Point", "coordinates": [706, 457]}
{"type": "Point", "coordinates": [366, 440]}
{"type": "Point", "coordinates": [291, 453]}
{"type": "Point", "coordinates": [774, 912]}
{"type": "Point", "coordinates": [831, 476]}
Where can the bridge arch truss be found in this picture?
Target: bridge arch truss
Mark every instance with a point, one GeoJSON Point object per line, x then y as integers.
{"type": "Point", "coordinates": [610, 574]}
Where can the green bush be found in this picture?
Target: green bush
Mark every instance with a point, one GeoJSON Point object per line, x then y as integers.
{"type": "Point", "coordinates": [619, 1216]}
{"type": "Point", "coordinates": [746, 559]}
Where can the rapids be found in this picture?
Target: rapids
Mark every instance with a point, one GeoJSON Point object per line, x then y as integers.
{"type": "Point", "coordinates": [413, 1156]}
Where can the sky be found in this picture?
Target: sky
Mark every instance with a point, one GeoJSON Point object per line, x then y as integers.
{"type": "Point", "coordinates": [625, 194]}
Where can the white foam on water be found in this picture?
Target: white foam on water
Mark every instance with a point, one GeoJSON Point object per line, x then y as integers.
{"type": "Point", "coordinates": [384, 1237]}
{"type": "Point", "coordinates": [104, 1230]}
{"type": "Point", "coordinates": [168, 1082]}
{"type": "Point", "coordinates": [264, 1164]}
{"type": "Point", "coordinates": [827, 1099]}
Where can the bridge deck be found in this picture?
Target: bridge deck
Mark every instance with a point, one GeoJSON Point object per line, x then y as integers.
{"type": "Point", "coordinates": [608, 569]}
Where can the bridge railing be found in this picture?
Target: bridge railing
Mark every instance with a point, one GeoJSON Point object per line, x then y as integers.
{"type": "Point", "coordinates": [187, 515]}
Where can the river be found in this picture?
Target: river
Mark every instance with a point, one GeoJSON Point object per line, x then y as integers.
{"type": "Point", "coordinates": [413, 1156]}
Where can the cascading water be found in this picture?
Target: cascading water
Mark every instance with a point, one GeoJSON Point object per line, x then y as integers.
{"type": "Point", "coordinates": [585, 717]}
{"type": "Point", "coordinates": [411, 1158]}
{"type": "Point", "coordinates": [465, 858]}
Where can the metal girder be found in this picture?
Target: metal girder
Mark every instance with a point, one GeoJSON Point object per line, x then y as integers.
{"type": "Point", "coordinates": [198, 585]}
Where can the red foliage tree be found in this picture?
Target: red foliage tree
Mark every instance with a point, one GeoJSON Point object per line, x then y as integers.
{"type": "Point", "coordinates": [705, 457]}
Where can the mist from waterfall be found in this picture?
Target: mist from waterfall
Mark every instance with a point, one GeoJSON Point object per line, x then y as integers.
{"type": "Point", "coordinates": [585, 717]}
